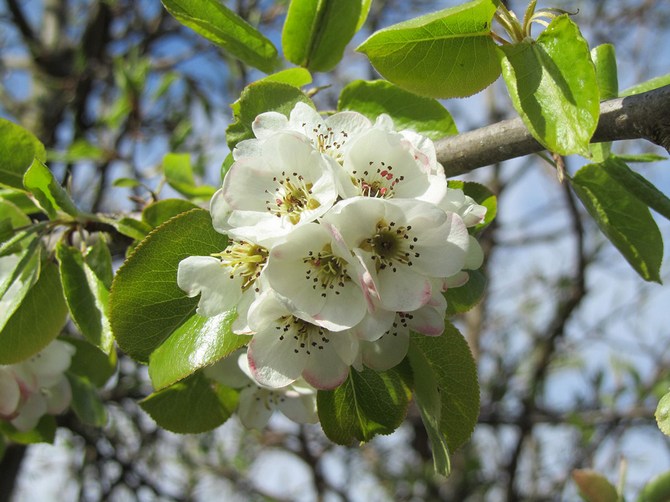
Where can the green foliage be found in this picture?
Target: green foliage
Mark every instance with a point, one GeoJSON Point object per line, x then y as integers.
{"type": "Point", "coordinates": [623, 218]}
{"type": "Point", "coordinates": [18, 149]}
{"type": "Point", "coordinates": [44, 432]}
{"type": "Point", "coordinates": [366, 404]}
{"type": "Point", "coordinates": [49, 193]}
{"type": "Point", "coordinates": [657, 490]}
{"type": "Point", "coordinates": [482, 196]}
{"type": "Point", "coordinates": [594, 487]}
{"type": "Point", "coordinates": [179, 175]}
{"type": "Point", "coordinates": [86, 403]}
{"type": "Point", "coordinates": [446, 54]}
{"type": "Point", "coordinates": [663, 414]}
{"type": "Point", "coordinates": [219, 24]}
{"type": "Point", "coordinates": [157, 213]}
{"type": "Point", "coordinates": [420, 114]}
{"type": "Point", "coordinates": [90, 362]}
{"type": "Point", "coordinates": [464, 298]}
{"type": "Point", "coordinates": [553, 86]}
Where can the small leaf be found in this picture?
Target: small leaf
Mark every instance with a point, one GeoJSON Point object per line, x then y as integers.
{"type": "Point", "coordinates": [258, 98]}
{"type": "Point", "coordinates": [426, 116]}
{"type": "Point", "coordinates": [657, 490]}
{"type": "Point", "coordinates": [86, 403]}
{"type": "Point", "coordinates": [663, 414]}
{"type": "Point", "coordinates": [129, 227]}
{"type": "Point", "coordinates": [204, 340]}
{"type": "Point", "coordinates": [649, 85]}
{"type": "Point", "coordinates": [179, 175]}
{"type": "Point", "coordinates": [449, 367]}
{"type": "Point", "coordinates": [594, 487]}
{"type": "Point", "coordinates": [553, 86]}
{"type": "Point", "coordinates": [604, 59]}
{"type": "Point", "coordinates": [146, 304]}
{"type": "Point", "coordinates": [20, 272]}
{"type": "Point", "coordinates": [44, 431]}
{"type": "Point", "coordinates": [641, 157]}
{"type": "Point", "coordinates": [159, 212]}
{"type": "Point", "coordinates": [99, 259]}
{"type": "Point", "coordinates": [51, 196]}
{"type": "Point", "coordinates": [625, 220]}
{"type": "Point", "coordinates": [366, 404]}
{"type": "Point", "coordinates": [297, 77]}
{"type": "Point", "coordinates": [188, 407]}
{"type": "Point", "coordinates": [38, 320]}
{"type": "Point", "coordinates": [446, 54]}
{"type": "Point", "coordinates": [316, 33]}
{"type": "Point", "coordinates": [18, 149]}
{"type": "Point", "coordinates": [126, 183]}
{"type": "Point", "coordinates": [219, 24]}
{"type": "Point", "coordinates": [466, 297]}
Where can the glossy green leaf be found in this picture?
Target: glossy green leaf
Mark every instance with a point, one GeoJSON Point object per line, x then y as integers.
{"type": "Point", "coordinates": [594, 487]}
{"type": "Point", "coordinates": [204, 339]}
{"type": "Point", "coordinates": [86, 403]}
{"type": "Point", "coordinates": [20, 199]}
{"type": "Point", "coordinates": [99, 259]}
{"type": "Point", "coordinates": [49, 193]}
{"type": "Point", "coordinates": [159, 212]}
{"type": "Point", "coordinates": [446, 54]}
{"type": "Point", "coordinates": [18, 149]}
{"type": "Point", "coordinates": [13, 213]}
{"type": "Point", "coordinates": [424, 115]}
{"type": "Point", "coordinates": [147, 306]}
{"type": "Point", "coordinates": [179, 175]}
{"type": "Point", "coordinates": [86, 296]}
{"type": "Point", "coordinates": [649, 85]}
{"type": "Point", "coordinates": [258, 98]}
{"type": "Point", "coordinates": [604, 59]}
{"type": "Point", "coordinates": [366, 404]}
{"type": "Point", "coordinates": [189, 407]}
{"type": "Point", "coordinates": [297, 77]}
{"type": "Point", "coordinates": [44, 432]}
{"type": "Point", "coordinates": [657, 490]}
{"type": "Point", "coordinates": [316, 32]}
{"type": "Point", "coordinates": [38, 320]}
{"type": "Point", "coordinates": [623, 218]}
{"type": "Point", "coordinates": [18, 273]}
{"type": "Point", "coordinates": [90, 362]}
{"type": "Point", "coordinates": [553, 86]}
{"type": "Point", "coordinates": [217, 23]}
{"type": "Point", "coordinates": [638, 185]}
{"type": "Point", "coordinates": [663, 414]}
{"type": "Point", "coordinates": [448, 366]}
{"type": "Point", "coordinates": [466, 297]}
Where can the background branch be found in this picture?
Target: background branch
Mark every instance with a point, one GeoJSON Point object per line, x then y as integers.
{"type": "Point", "coordinates": [645, 116]}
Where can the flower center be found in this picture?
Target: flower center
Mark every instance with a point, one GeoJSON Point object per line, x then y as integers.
{"type": "Point", "coordinates": [306, 336]}
{"type": "Point", "coordinates": [326, 141]}
{"type": "Point", "coordinates": [245, 260]}
{"type": "Point", "coordinates": [327, 271]}
{"type": "Point", "coordinates": [379, 183]}
{"type": "Point", "coordinates": [292, 196]}
{"type": "Point", "coordinates": [391, 245]}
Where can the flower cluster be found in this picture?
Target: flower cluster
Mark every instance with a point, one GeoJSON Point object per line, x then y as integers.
{"type": "Point", "coordinates": [343, 236]}
{"type": "Point", "coordinates": [36, 386]}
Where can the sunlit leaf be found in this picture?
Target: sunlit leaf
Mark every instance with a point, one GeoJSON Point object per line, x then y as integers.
{"type": "Point", "coordinates": [49, 193]}
{"type": "Point", "coordinates": [18, 149]}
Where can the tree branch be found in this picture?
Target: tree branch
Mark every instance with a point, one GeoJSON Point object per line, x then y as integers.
{"type": "Point", "coordinates": [645, 116]}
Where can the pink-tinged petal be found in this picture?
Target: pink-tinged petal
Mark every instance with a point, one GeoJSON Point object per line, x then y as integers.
{"type": "Point", "coordinates": [208, 277]}
{"type": "Point", "coordinates": [325, 370]}
{"type": "Point", "coordinates": [402, 290]}
{"type": "Point", "coordinates": [429, 319]}
{"type": "Point", "coordinates": [275, 358]}
{"type": "Point", "coordinates": [58, 397]}
{"type": "Point", "coordinates": [254, 410]}
{"type": "Point", "coordinates": [386, 352]}
{"type": "Point", "coordinates": [10, 393]}
{"type": "Point", "coordinates": [268, 123]}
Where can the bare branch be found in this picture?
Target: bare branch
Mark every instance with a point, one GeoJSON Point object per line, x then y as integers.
{"type": "Point", "coordinates": [642, 116]}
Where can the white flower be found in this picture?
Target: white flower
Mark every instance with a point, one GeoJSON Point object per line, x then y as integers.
{"type": "Point", "coordinates": [10, 393]}
{"type": "Point", "coordinates": [402, 243]}
{"type": "Point", "coordinates": [265, 196]}
{"type": "Point", "coordinates": [455, 201]}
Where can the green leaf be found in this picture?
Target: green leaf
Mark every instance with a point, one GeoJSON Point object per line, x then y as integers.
{"type": "Point", "coordinates": [20, 272]}
{"type": "Point", "coordinates": [482, 196]}
{"type": "Point", "coordinates": [657, 490]}
{"type": "Point", "coordinates": [99, 259]}
{"type": "Point", "coordinates": [641, 157]}
{"type": "Point", "coordinates": [90, 362]}
{"type": "Point", "coordinates": [86, 296]}
{"type": "Point", "coordinates": [604, 59]}
{"type": "Point", "coordinates": [448, 366]}
{"type": "Point", "coordinates": [86, 403]}
{"type": "Point", "coordinates": [366, 404]}
{"type": "Point", "coordinates": [446, 54]}
{"type": "Point", "coordinates": [79, 150]}
{"type": "Point", "coordinates": [297, 77]}
{"type": "Point", "coordinates": [20, 199]}
{"type": "Point", "coordinates": [130, 227]}
{"type": "Point", "coordinates": [159, 212]}
{"type": "Point", "coordinates": [553, 86]}
{"type": "Point", "coordinates": [663, 414]}
{"type": "Point", "coordinates": [126, 183]}
{"type": "Point", "coordinates": [464, 298]}
{"type": "Point", "coordinates": [197, 343]}
{"type": "Point", "coordinates": [37, 321]}
{"type": "Point", "coordinates": [219, 24]}
{"type": "Point", "coordinates": [49, 193]}
{"type": "Point", "coordinates": [13, 214]}
{"type": "Point", "coordinates": [179, 175]}
{"type": "Point", "coordinates": [426, 116]}
{"type": "Point", "coordinates": [649, 85]}
{"type": "Point", "coordinates": [594, 487]}
{"type": "Point", "coordinates": [315, 33]}
{"type": "Point", "coordinates": [147, 306]}
{"type": "Point", "coordinates": [623, 218]}
{"type": "Point", "coordinates": [18, 149]}
{"type": "Point", "coordinates": [190, 406]}
{"type": "Point", "coordinates": [258, 98]}
{"type": "Point", "coordinates": [44, 431]}
{"type": "Point", "coordinates": [637, 185]}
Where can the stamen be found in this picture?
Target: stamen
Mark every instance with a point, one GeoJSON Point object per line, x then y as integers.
{"type": "Point", "coordinates": [245, 260]}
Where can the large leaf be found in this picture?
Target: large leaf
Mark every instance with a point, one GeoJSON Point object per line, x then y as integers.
{"type": "Point", "coordinates": [38, 320]}
{"type": "Point", "coordinates": [623, 218]}
{"type": "Point", "coordinates": [553, 86]}
{"type": "Point", "coordinates": [204, 340]}
{"type": "Point", "coordinates": [219, 24]}
{"type": "Point", "coordinates": [146, 304]}
{"type": "Point", "coordinates": [18, 149]}
{"type": "Point", "coordinates": [444, 369]}
{"type": "Point", "coordinates": [366, 404]}
{"type": "Point", "coordinates": [49, 193]}
{"type": "Point", "coordinates": [191, 406]}
{"type": "Point", "coordinates": [424, 115]}
{"type": "Point", "coordinates": [317, 31]}
{"type": "Point", "coordinates": [446, 54]}
{"type": "Point", "coordinates": [258, 98]}
{"type": "Point", "coordinates": [86, 296]}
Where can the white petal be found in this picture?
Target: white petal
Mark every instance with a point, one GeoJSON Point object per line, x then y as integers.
{"type": "Point", "coordinates": [346, 345]}
{"type": "Point", "coordinates": [10, 394]}
{"type": "Point", "coordinates": [50, 363]}
{"type": "Point", "coordinates": [402, 290]}
{"type": "Point", "coordinates": [268, 123]}
{"type": "Point", "coordinates": [386, 352]}
{"type": "Point", "coordinates": [58, 397]}
{"type": "Point", "coordinates": [299, 408]}
{"type": "Point", "coordinates": [374, 325]}
{"type": "Point", "coordinates": [208, 277]}
{"type": "Point", "coordinates": [275, 359]}
{"type": "Point", "coordinates": [475, 256]}
{"type": "Point", "coordinates": [253, 409]}
{"type": "Point", "coordinates": [30, 413]}
{"type": "Point", "coordinates": [325, 370]}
